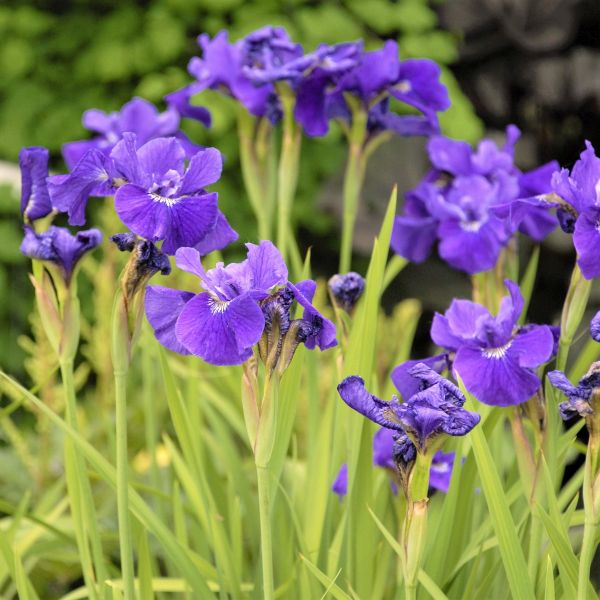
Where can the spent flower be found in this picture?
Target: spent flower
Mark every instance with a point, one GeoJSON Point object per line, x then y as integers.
{"type": "Point", "coordinates": [580, 397]}
{"type": "Point", "coordinates": [434, 411]}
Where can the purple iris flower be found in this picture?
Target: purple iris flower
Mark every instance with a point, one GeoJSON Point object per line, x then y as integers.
{"type": "Point", "coordinates": [222, 324]}
{"type": "Point", "coordinates": [346, 289]}
{"type": "Point", "coordinates": [433, 411]}
{"type": "Point", "coordinates": [136, 116]}
{"type": "Point", "coordinates": [156, 196]}
{"type": "Point", "coordinates": [384, 442]}
{"type": "Point", "coordinates": [579, 397]}
{"type": "Point", "coordinates": [59, 246]}
{"type": "Point", "coordinates": [595, 327]}
{"type": "Point", "coordinates": [579, 211]}
{"type": "Point", "coordinates": [467, 203]}
{"type": "Point", "coordinates": [377, 77]}
{"type": "Point", "coordinates": [269, 55]}
{"type": "Point", "coordinates": [35, 199]}
{"type": "Point", "coordinates": [494, 357]}
{"type": "Point", "coordinates": [222, 68]}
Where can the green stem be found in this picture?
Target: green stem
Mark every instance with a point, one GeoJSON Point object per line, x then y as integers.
{"type": "Point", "coordinates": [253, 173]}
{"type": "Point", "coordinates": [266, 548]}
{"type": "Point", "coordinates": [572, 313]}
{"type": "Point", "coordinates": [411, 591]}
{"type": "Point", "coordinates": [287, 177]}
{"type": "Point", "coordinates": [353, 182]}
{"type": "Point", "coordinates": [80, 494]}
{"type": "Point", "coordinates": [591, 526]}
{"type": "Point", "coordinates": [120, 357]}
{"type": "Point", "coordinates": [588, 549]}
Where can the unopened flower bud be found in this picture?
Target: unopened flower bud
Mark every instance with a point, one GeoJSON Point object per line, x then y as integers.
{"type": "Point", "coordinates": [346, 289]}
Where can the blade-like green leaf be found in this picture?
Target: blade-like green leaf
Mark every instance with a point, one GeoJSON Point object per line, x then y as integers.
{"type": "Point", "coordinates": [140, 509]}
{"type": "Point", "coordinates": [511, 551]}
{"type": "Point", "coordinates": [328, 584]}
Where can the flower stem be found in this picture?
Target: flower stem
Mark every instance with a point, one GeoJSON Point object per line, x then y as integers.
{"type": "Point", "coordinates": [120, 357]}
{"type": "Point", "coordinates": [572, 313]}
{"type": "Point", "coordinates": [591, 504]}
{"type": "Point", "coordinates": [266, 549]}
{"type": "Point", "coordinates": [253, 173]}
{"type": "Point", "coordinates": [353, 182]}
{"type": "Point", "coordinates": [82, 505]}
{"type": "Point", "coordinates": [287, 177]}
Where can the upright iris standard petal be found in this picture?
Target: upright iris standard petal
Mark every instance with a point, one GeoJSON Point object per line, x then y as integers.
{"type": "Point", "coordinates": [57, 245]}
{"type": "Point", "coordinates": [220, 332]}
{"type": "Point", "coordinates": [204, 169]}
{"type": "Point", "coordinates": [221, 68]}
{"type": "Point", "coordinates": [35, 199]}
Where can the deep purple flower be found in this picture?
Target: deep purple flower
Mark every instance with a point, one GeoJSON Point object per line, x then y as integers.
{"type": "Point", "coordinates": [35, 199]}
{"type": "Point", "coordinates": [379, 75]}
{"type": "Point", "coordinates": [495, 359]}
{"type": "Point", "coordinates": [346, 289]}
{"type": "Point", "coordinates": [595, 327]}
{"type": "Point", "coordinates": [385, 444]}
{"type": "Point", "coordinates": [470, 202]}
{"type": "Point", "coordinates": [579, 189]}
{"type": "Point", "coordinates": [269, 55]}
{"type": "Point", "coordinates": [431, 412]}
{"type": "Point", "coordinates": [222, 324]}
{"type": "Point", "coordinates": [59, 246]}
{"type": "Point", "coordinates": [155, 195]}
{"type": "Point", "coordinates": [579, 397]}
{"type": "Point", "coordinates": [136, 116]}
{"type": "Point", "coordinates": [222, 68]}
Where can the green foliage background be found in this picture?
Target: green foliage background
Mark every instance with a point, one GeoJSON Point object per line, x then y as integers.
{"type": "Point", "coordinates": [58, 59]}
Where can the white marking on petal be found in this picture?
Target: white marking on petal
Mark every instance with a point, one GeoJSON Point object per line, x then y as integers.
{"type": "Point", "coordinates": [496, 353]}
{"type": "Point", "coordinates": [217, 306]}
